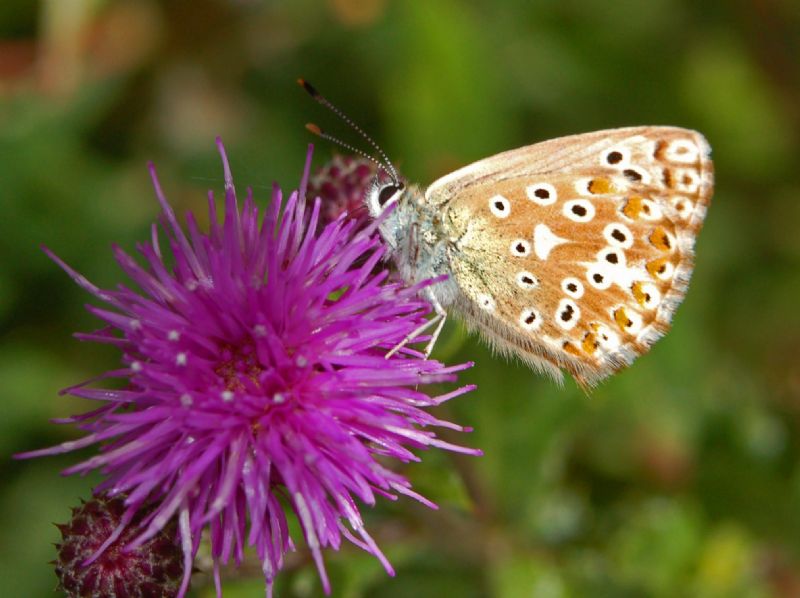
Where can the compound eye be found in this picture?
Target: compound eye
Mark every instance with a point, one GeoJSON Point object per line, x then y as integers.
{"type": "Point", "coordinates": [387, 193]}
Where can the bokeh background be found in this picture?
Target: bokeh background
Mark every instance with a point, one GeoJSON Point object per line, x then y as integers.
{"type": "Point", "coordinates": [678, 477]}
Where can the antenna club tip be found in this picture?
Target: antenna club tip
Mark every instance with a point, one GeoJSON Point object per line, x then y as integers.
{"type": "Point", "coordinates": [312, 128]}
{"type": "Point", "coordinates": [308, 87]}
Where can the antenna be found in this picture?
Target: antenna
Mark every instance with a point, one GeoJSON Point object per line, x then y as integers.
{"type": "Point", "coordinates": [387, 164]}
{"type": "Point", "coordinates": [314, 129]}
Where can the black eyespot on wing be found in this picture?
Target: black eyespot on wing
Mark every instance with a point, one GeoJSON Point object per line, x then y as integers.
{"type": "Point", "coordinates": [632, 175]}
{"type": "Point", "coordinates": [566, 315]}
{"type": "Point", "coordinates": [579, 210]}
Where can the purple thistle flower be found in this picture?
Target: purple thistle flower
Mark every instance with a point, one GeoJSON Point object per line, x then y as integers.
{"type": "Point", "coordinates": [256, 376]}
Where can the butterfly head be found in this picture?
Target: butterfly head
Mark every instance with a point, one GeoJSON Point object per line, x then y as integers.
{"type": "Point", "coordinates": [383, 195]}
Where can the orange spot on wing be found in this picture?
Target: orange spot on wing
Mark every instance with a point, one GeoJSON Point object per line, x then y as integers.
{"type": "Point", "coordinates": [633, 208]}
{"type": "Point", "coordinates": [621, 317]}
{"type": "Point", "coordinates": [589, 343]}
{"type": "Point", "coordinates": [639, 294]}
{"type": "Point", "coordinates": [660, 239]}
{"type": "Point", "coordinates": [600, 186]}
{"type": "Point", "coordinates": [571, 349]}
{"type": "Point", "coordinates": [657, 267]}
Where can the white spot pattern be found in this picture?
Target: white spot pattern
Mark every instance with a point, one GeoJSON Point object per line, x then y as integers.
{"type": "Point", "coordinates": [681, 150]}
{"type": "Point", "coordinates": [611, 256]}
{"type": "Point", "coordinates": [527, 281]}
{"type": "Point", "coordinates": [614, 240]}
{"type": "Point", "coordinates": [633, 320]}
{"type": "Point", "coordinates": [544, 240]}
{"type": "Point", "coordinates": [486, 302]}
{"type": "Point", "coordinates": [651, 210]}
{"type": "Point", "coordinates": [668, 271]}
{"type": "Point", "coordinates": [520, 247]}
{"type": "Point", "coordinates": [543, 194]}
{"type": "Point", "coordinates": [686, 180]}
{"type": "Point", "coordinates": [500, 206]}
{"type": "Point", "coordinates": [579, 210]}
{"type": "Point", "coordinates": [652, 296]}
{"type": "Point", "coordinates": [606, 338]}
{"type": "Point", "coordinates": [567, 314]}
{"type": "Point", "coordinates": [599, 277]}
{"type": "Point", "coordinates": [572, 287]}
{"type": "Point", "coordinates": [617, 157]}
{"type": "Point", "coordinates": [530, 319]}
{"type": "Point", "coordinates": [682, 205]}
{"type": "Point", "coordinates": [582, 186]}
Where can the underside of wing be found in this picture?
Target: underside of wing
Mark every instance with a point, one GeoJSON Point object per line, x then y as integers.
{"type": "Point", "coordinates": [574, 253]}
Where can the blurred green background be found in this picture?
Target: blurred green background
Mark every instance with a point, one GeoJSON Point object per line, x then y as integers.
{"type": "Point", "coordinates": [678, 477]}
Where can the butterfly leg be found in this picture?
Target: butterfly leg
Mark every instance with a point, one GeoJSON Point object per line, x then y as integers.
{"type": "Point", "coordinates": [439, 319]}
{"type": "Point", "coordinates": [441, 315]}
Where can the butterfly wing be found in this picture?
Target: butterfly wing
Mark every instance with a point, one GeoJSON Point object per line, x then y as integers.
{"type": "Point", "coordinates": [574, 253]}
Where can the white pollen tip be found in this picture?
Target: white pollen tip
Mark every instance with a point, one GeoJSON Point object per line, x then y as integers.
{"type": "Point", "coordinates": [181, 359]}
{"type": "Point", "coordinates": [174, 335]}
{"type": "Point", "coordinates": [544, 240]}
{"type": "Point", "coordinates": [227, 396]}
{"type": "Point", "coordinates": [136, 366]}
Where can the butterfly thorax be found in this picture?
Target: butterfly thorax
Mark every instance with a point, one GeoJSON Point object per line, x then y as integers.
{"type": "Point", "coordinates": [421, 236]}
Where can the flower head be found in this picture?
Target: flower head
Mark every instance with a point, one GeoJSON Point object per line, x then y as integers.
{"type": "Point", "coordinates": [254, 357]}
{"type": "Point", "coordinates": [153, 569]}
{"type": "Point", "coordinates": [343, 183]}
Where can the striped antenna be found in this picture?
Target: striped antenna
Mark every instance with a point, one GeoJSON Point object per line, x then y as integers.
{"type": "Point", "coordinates": [316, 130]}
{"type": "Point", "coordinates": [386, 164]}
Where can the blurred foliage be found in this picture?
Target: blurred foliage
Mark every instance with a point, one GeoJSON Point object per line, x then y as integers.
{"type": "Point", "coordinates": [679, 477]}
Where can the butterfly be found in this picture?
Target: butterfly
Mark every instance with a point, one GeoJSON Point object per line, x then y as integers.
{"type": "Point", "coordinates": [571, 254]}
